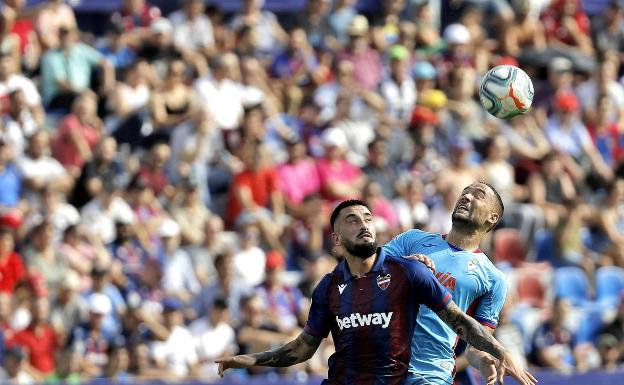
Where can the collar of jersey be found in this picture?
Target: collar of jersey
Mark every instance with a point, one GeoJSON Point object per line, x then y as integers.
{"type": "Point", "coordinates": [455, 248]}
{"type": "Point", "coordinates": [377, 266]}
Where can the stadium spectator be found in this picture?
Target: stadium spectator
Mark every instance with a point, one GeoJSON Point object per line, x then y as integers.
{"type": "Point", "coordinates": [367, 65]}
{"type": "Point", "coordinates": [104, 167]}
{"type": "Point", "coordinates": [10, 81]}
{"type": "Point", "coordinates": [399, 89]}
{"type": "Point", "coordinates": [553, 342]}
{"type": "Point", "coordinates": [10, 178]}
{"type": "Point", "coordinates": [40, 170]}
{"type": "Point", "coordinates": [68, 309]}
{"type": "Point", "coordinates": [43, 258]}
{"type": "Point", "coordinates": [176, 352]}
{"type": "Point", "coordinates": [88, 345]}
{"type": "Point", "coordinates": [297, 177]}
{"type": "Point", "coordinates": [38, 339]}
{"type": "Point", "coordinates": [14, 369]}
{"type": "Point", "coordinates": [283, 303]}
{"type": "Point", "coordinates": [608, 236]}
{"type": "Point", "coordinates": [214, 338]}
{"type": "Point", "coordinates": [11, 265]}
{"type": "Point", "coordinates": [524, 33]}
{"type": "Point", "coordinates": [192, 29]}
{"type": "Point", "coordinates": [78, 134]}
{"type": "Point", "coordinates": [99, 215]}
{"type": "Point", "coordinates": [264, 24]}
{"type": "Point", "coordinates": [116, 48]}
{"type": "Point", "coordinates": [567, 27]}
{"type": "Point", "coordinates": [551, 188]}
{"type": "Point", "coordinates": [179, 280]}
{"type": "Point", "coordinates": [66, 70]}
{"type": "Point", "coordinates": [56, 15]}
{"type": "Point", "coordinates": [339, 178]}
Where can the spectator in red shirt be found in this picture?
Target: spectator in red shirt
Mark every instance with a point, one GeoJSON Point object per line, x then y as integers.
{"type": "Point", "coordinates": [38, 339]}
{"type": "Point", "coordinates": [78, 134]}
{"type": "Point", "coordinates": [253, 191]}
{"type": "Point", "coordinates": [11, 266]}
{"type": "Point", "coordinates": [153, 172]}
{"type": "Point", "coordinates": [567, 26]}
{"type": "Point", "coordinates": [339, 178]}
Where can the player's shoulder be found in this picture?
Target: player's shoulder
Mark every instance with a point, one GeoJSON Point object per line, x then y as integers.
{"type": "Point", "coordinates": [495, 275]}
{"type": "Point", "coordinates": [412, 268]}
{"type": "Point", "coordinates": [413, 236]}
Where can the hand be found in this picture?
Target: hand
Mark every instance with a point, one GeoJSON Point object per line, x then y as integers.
{"type": "Point", "coordinates": [423, 259]}
{"type": "Point", "coordinates": [507, 366]}
{"type": "Point", "coordinates": [226, 363]}
{"type": "Point", "coordinates": [487, 368]}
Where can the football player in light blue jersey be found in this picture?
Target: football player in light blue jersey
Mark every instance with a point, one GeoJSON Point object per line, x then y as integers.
{"type": "Point", "coordinates": [477, 286]}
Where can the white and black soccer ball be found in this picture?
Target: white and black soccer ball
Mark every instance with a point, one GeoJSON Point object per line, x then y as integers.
{"type": "Point", "coordinates": [506, 91]}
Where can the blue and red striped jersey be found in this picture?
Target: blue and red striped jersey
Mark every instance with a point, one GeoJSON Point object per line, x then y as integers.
{"type": "Point", "coordinates": [372, 318]}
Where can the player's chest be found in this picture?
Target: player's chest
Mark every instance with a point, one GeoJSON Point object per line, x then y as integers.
{"type": "Point", "coordinates": [460, 273]}
{"type": "Point", "coordinates": [376, 291]}
{"type": "Point", "coordinates": [372, 301]}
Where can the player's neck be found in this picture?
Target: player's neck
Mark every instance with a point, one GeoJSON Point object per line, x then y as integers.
{"type": "Point", "coordinates": [463, 239]}
{"type": "Point", "coordinates": [360, 266]}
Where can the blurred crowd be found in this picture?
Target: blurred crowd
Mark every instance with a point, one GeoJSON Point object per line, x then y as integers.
{"type": "Point", "coordinates": [165, 186]}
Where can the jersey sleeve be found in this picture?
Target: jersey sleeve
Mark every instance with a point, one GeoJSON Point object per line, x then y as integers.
{"type": "Point", "coordinates": [320, 316]}
{"type": "Point", "coordinates": [429, 291]}
{"type": "Point", "coordinates": [405, 243]}
{"type": "Point", "coordinates": [492, 302]}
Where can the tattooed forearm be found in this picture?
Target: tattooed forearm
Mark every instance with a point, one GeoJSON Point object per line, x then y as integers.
{"type": "Point", "coordinates": [294, 352]}
{"type": "Point", "coordinates": [470, 330]}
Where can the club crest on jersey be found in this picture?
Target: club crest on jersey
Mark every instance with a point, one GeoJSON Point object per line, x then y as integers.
{"type": "Point", "coordinates": [383, 281]}
{"type": "Point", "coordinates": [472, 264]}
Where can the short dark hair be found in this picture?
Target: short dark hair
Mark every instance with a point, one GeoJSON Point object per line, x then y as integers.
{"type": "Point", "coordinates": [499, 203]}
{"type": "Point", "coordinates": [344, 205]}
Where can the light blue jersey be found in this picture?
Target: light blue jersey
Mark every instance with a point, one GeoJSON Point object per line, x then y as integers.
{"type": "Point", "coordinates": [477, 286]}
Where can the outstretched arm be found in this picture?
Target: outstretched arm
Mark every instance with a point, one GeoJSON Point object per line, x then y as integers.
{"type": "Point", "coordinates": [477, 335]}
{"type": "Point", "coordinates": [296, 351]}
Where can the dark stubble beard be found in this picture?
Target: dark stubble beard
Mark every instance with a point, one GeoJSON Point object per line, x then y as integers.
{"type": "Point", "coordinates": [363, 251]}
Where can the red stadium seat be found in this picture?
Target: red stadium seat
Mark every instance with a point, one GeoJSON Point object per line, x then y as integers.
{"type": "Point", "coordinates": [530, 289]}
{"type": "Point", "coordinates": [508, 247]}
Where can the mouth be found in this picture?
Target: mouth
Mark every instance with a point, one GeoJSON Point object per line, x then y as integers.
{"type": "Point", "coordinates": [366, 235]}
{"type": "Point", "coordinates": [462, 207]}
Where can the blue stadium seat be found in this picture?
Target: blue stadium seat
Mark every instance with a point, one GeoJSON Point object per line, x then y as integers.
{"type": "Point", "coordinates": [571, 283]}
{"type": "Point", "coordinates": [609, 285]}
{"type": "Point", "coordinates": [545, 247]}
{"type": "Point", "coordinates": [590, 325]}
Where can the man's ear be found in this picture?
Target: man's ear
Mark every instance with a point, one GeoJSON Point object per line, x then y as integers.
{"type": "Point", "coordinates": [493, 219]}
{"type": "Point", "coordinates": [336, 239]}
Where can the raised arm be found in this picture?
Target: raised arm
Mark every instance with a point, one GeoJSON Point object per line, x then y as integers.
{"type": "Point", "coordinates": [296, 351]}
{"type": "Point", "coordinates": [480, 338]}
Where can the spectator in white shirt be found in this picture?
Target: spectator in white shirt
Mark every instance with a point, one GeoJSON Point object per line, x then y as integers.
{"type": "Point", "coordinates": [179, 279]}
{"type": "Point", "coordinates": [222, 95]}
{"type": "Point", "coordinates": [177, 352]}
{"type": "Point", "coordinates": [214, 338]}
{"type": "Point", "coordinates": [192, 29]}
{"type": "Point", "coordinates": [249, 261]}
{"type": "Point", "coordinates": [99, 215]}
{"type": "Point", "coordinates": [11, 81]}
{"type": "Point", "coordinates": [399, 89]}
{"type": "Point", "coordinates": [39, 169]}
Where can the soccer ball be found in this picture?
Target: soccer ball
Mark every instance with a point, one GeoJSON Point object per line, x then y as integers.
{"type": "Point", "coordinates": [506, 91]}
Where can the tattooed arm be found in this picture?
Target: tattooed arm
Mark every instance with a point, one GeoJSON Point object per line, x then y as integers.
{"type": "Point", "coordinates": [296, 351]}
{"type": "Point", "coordinates": [480, 338]}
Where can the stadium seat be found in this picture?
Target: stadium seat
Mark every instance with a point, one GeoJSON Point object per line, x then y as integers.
{"type": "Point", "coordinates": [609, 285]}
{"type": "Point", "coordinates": [590, 325]}
{"type": "Point", "coordinates": [571, 283]}
{"type": "Point", "coordinates": [508, 247]}
{"type": "Point", "coordinates": [545, 247]}
{"type": "Point", "coordinates": [530, 290]}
